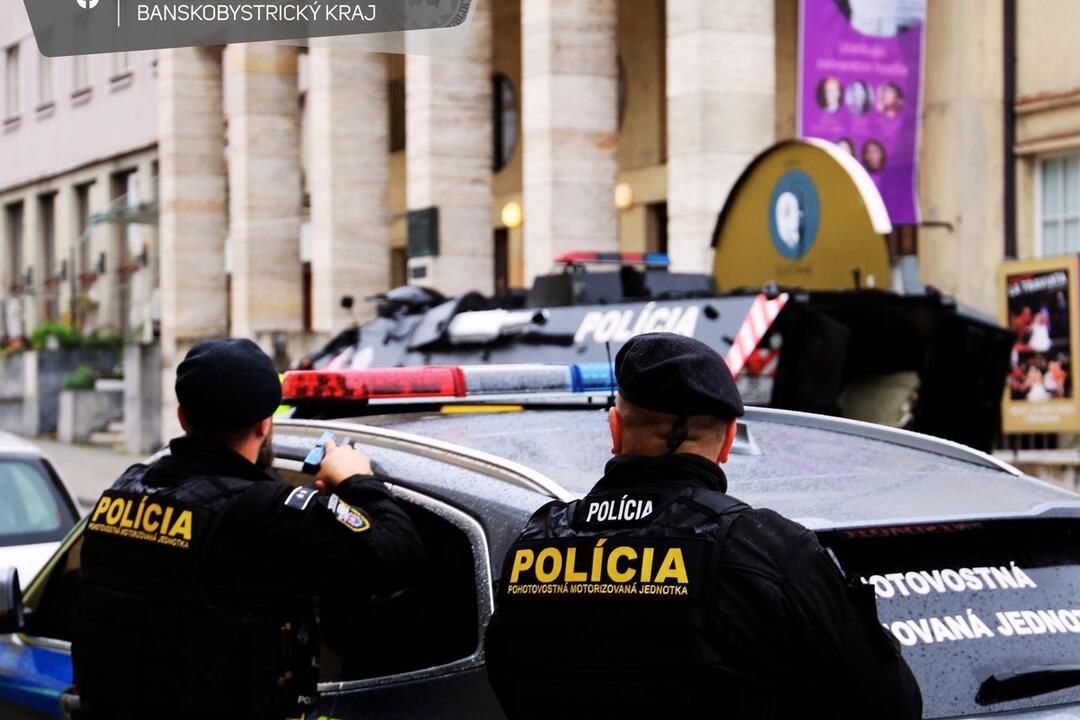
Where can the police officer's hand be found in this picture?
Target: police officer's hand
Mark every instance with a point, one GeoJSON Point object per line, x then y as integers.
{"type": "Point", "coordinates": [340, 464]}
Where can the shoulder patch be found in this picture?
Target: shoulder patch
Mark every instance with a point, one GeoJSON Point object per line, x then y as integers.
{"type": "Point", "coordinates": [300, 498]}
{"type": "Point", "coordinates": [347, 515]}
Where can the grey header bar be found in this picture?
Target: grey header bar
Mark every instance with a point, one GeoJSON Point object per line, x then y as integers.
{"type": "Point", "coordinates": [78, 27]}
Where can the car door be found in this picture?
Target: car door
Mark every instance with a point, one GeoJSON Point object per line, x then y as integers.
{"type": "Point", "coordinates": [418, 655]}
{"type": "Point", "coordinates": [35, 664]}
{"type": "Point", "coordinates": [438, 672]}
{"type": "Point", "coordinates": [431, 641]}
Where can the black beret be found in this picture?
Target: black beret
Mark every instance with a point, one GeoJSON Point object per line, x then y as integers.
{"type": "Point", "coordinates": [678, 375]}
{"type": "Point", "coordinates": [227, 385]}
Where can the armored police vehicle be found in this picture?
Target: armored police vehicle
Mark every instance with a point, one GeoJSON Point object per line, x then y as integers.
{"type": "Point", "coordinates": [914, 360]}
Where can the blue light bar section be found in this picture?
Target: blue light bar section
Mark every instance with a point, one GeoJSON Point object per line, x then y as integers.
{"type": "Point", "coordinates": [510, 379]}
{"type": "Point", "coordinates": [657, 259]}
{"type": "Point", "coordinates": [593, 376]}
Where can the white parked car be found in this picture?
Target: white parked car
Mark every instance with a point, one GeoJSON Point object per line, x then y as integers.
{"type": "Point", "coordinates": [36, 508]}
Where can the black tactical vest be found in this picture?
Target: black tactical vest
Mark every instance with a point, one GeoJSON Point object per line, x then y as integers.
{"type": "Point", "coordinates": [607, 600]}
{"type": "Point", "coordinates": [150, 641]}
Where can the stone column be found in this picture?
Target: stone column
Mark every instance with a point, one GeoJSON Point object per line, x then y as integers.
{"type": "Point", "coordinates": [264, 190]}
{"type": "Point", "coordinates": [721, 87]}
{"type": "Point", "coordinates": [192, 220]}
{"type": "Point", "coordinates": [961, 179]}
{"type": "Point", "coordinates": [570, 129]}
{"type": "Point", "coordinates": [448, 153]}
{"type": "Point", "coordinates": [349, 176]}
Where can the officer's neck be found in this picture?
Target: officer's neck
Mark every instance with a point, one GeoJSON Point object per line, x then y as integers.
{"type": "Point", "coordinates": [248, 448]}
{"type": "Point", "coordinates": [655, 447]}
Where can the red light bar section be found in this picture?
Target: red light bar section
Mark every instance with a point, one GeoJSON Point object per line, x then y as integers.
{"type": "Point", "coordinates": [596, 257]}
{"type": "Point", "coordinates": [432, 381]}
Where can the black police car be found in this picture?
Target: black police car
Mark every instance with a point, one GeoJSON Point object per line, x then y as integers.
{"type": "Point", "coordinates": [975, 565]}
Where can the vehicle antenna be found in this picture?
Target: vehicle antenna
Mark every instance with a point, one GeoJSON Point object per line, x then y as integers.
{"type": "Point", "coordinates": [611, 376]}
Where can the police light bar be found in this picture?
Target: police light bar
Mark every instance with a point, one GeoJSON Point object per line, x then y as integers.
{"type": "Point", "coordinates": [447, 382]}
{"type": "Point", "coordinates": [591, 377]}
{"type": "Point", "coordinates": [660, 260]}
{"type": "Point", "coordinates": [512, 379]}
{"type": "Point", "coordinates": [382, 383]}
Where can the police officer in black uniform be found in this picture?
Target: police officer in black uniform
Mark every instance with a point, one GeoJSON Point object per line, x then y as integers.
{"type": "Point", "coordinates": [660, 595]}
{"type": "Point", "coordinates": [198, 571]}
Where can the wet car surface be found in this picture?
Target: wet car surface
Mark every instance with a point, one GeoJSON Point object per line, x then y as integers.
{"type": "Point", "coordinates": [897, 509]}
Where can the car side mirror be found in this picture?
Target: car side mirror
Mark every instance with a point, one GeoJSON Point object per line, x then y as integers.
{"type": "Point", "coordinates": [11, 607]}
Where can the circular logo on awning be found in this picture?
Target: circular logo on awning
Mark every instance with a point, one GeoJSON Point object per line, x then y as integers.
{"type": "Point", "coordinates": [87, 4]}
{"type": "Point", "coordinates": [794, 214]}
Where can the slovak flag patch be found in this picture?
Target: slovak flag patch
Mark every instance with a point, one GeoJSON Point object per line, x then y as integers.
{"type": "Point", "coordinates": [347, 515]}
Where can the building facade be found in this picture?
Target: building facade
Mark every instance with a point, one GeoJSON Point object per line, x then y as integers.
{"type": "Point", "coordinates": [271, 180]}
{"type": "Point", "coordinates": [78, 140]}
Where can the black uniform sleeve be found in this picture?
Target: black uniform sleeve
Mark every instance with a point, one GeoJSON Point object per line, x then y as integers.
{"type": "Point", "coordinates": [357, 537]}
{"type": "Point", "coordinates": [848, 662]}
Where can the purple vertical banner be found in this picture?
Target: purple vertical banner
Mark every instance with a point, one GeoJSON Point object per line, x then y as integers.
{"type": "Point", "coordinates": [860, 86]}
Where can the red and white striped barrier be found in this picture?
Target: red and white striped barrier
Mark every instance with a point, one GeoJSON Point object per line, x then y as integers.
{"type": "Point", "coordinates": [757, 322]}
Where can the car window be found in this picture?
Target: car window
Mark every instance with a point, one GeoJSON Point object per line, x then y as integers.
{"type": "Point", "coordinates": [969, 600]}
{"type": "Point", "coordinates": [52, 605]}
{"type": "Point", "coordinates": [32, 509]}
{"type": "Point", "coordinates": [433, 623]}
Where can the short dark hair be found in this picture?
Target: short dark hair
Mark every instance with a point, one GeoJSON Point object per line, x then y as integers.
{"type": "Point", "coordinates": [672, 430]}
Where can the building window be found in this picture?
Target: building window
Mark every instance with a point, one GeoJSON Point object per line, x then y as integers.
{"type": "Point", "coordinates": [14, 233]}
{"type": "Point", "coordinates": [47, 239]}
{"type": "Point", "coordinates": [14, 92]}
{"type": "Point", "coordinates": [502, 262]}
{"type": "Point", "coordinates": [82, 72]}
{"type": "Point", "coordinates": [45, 81]}
{"type": "Point", "coordinates": [656, 228]}
{"type": "Point", "coordinates": [128, 240]}
{"type": "Point", "coordinates": [399, 267]}
{"type": "Point", "coordinates": [396, 107]}
{"type": "Point", "coordinates": [121, 64]}
{"type": "Point", "coordinates": [1059, 205]}
{"type": "Point", "coordinates": [47, 234]}
{"type": "Point", "coordinates": [82, 221]}
{"type": "Point", "coordinates": [504, 120]}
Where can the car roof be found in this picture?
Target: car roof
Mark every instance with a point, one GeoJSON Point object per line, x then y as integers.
{"type": "Point", "coordinates": [824, 472]}
{"type": "Point", "coordinates": [14, 445]}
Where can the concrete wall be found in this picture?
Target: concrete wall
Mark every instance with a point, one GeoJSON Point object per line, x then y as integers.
{"type": "Point", "coordinates": [11, 392]}
{"type": "Point", "coordinates": [30, 385]}
{"type": "Point", "coordinates": [56, 138]}
{"type": "Point", "coordinates": [84, 412]}
{"type": "Point", "coordinates": [52, 366]}
{"type": "Point", "coordinates": [1047, 101]}
{"type": "Point", "coordinates": [142, 398]}
{"type": "Point", "coordinates": [1046, 33]}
